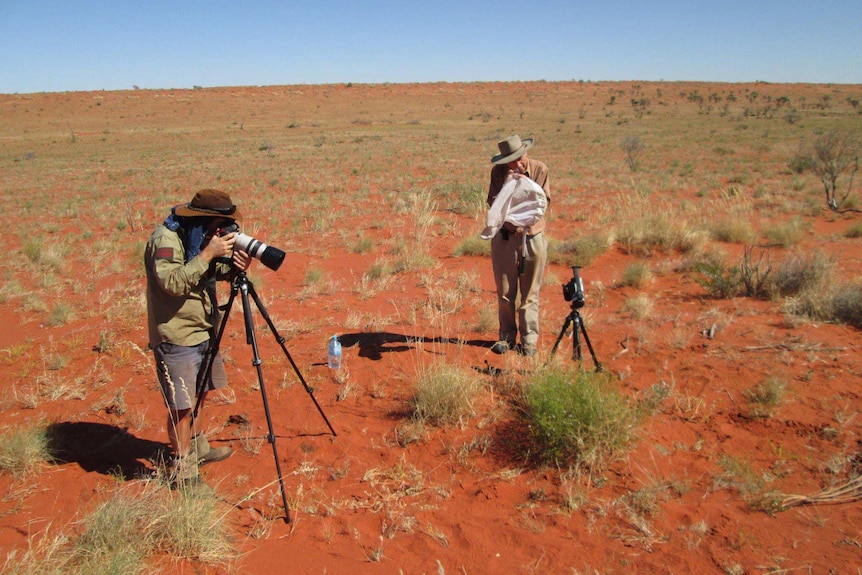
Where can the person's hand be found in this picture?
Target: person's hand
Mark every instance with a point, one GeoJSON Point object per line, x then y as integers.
{"type": "Point", "coordinates": [218, 247]}
{"type": "Point", "coordinates": [241, 260]}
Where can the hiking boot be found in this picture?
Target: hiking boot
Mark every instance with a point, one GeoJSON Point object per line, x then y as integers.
{"type": "Point", "coordinates": [528, 350]}
{"type": "Point", "coordinates": [206, 454]}
{"type": "Point", "coordinates": [501, 347]}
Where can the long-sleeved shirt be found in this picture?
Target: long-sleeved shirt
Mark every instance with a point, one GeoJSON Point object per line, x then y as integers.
{"type": "Point", "coordinates": [179, 307]}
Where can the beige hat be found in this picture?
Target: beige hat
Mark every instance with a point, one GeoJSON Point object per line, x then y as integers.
{"type": "Point", "coordinates": [511, 149]}
{"type": "Point", "coordinates": [208, 203]}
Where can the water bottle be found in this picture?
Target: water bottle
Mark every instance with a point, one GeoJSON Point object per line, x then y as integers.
{"type": "Point", "coordinates": [334, 353]}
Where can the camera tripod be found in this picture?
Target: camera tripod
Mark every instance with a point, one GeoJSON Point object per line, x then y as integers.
{"type": "Point", "coordinates": [242, 285]}
{"type": "Point", "coordinates": [575, 318]}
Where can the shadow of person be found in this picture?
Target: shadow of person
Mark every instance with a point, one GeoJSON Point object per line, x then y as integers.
{"type": "Point", "coordinates": [374, 345]}
{"type": "Point", "coordinates": [102, 448]}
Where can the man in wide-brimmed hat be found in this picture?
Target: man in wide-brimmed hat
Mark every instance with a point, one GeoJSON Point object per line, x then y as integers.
{"type": "Point", "coordinates": [518, 253]}
{"type": "Point", "coordinates": [183, 258]}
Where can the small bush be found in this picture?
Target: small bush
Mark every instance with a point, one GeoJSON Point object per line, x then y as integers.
{"type": "Point", "coordinates": [582, 251]}
{"type": "Point", "coordinates": [473, 246]}
{"type": "Point", "coordinates": [444, 395]}
{"type": "Point", "coordinates": [801, 272]}
{"type": "Point", "coordinates": [764, 397]}
{"type": "Point", "coordinates": [637, 274]}
{"type": "Point", "coordinates": [363, 245]}
{"type": "Point", "coordinates": [801, 162]}
{"type": "Point", "coordinates": [577, 418]}
{"type": "Point", "coordinates": [750, 277]}
{"type": "Point", "coordinates": [846, 304]}
{"type": "Point", "coordinates": [24, 450]}
{"type": "Point", "coordinates": [733, 229]}
{"type": "Point", "coordinates": [854, 231]}
{"type": "Point", "coordinates": [141, 521]}
{"type": "Point", "coordinates": [841, 304]}
{"type": "Point", "coordinates": [639, 306]}
{"type": "Point", "coordinates": [659, 233]}
{"type": "Point", "coordinates": [786, 234]}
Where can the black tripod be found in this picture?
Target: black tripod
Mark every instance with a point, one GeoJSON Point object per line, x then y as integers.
{"type": "Point", "coordinates": [574, 292]}
{"type": "Point", "coordinates": [242, 285]}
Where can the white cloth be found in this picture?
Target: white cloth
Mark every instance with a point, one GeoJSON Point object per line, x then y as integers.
{"type": "Point", "coordinates": [521, 202]}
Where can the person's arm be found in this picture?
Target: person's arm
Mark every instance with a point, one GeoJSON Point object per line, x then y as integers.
{"type": "Point", "coordinates": [498, 178]}
{"type": "Point", "coordinates": [177, 277]}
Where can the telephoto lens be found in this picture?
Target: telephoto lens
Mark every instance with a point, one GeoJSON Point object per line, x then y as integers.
{"type": "Point", "coordinates": [269, 256]}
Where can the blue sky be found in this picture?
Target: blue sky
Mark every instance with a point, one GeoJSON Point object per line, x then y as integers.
{"type": "Point", "coordinates": [73, 45]}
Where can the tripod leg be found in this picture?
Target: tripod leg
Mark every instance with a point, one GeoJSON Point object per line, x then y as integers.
{"type": "Point", "coordinates": [249, 329]}
{"type": "Point", "coordinates": [559, 338]}
{"type": "Point", "coordinates": [280, 341]}
{"type": "Point", "coordinates": [590, 346]}
{"type": "Point", "coordinates": [577, 354]}
{"type": "Point", "coordinates": [205, 371]}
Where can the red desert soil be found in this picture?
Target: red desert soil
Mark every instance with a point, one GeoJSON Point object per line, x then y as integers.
{"type": "Point", "coordinates": [459, 500]}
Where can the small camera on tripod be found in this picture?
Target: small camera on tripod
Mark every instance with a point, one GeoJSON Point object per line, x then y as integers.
{"type": "Point", "coordinates": [269, 256]}
{"type": "Point", "coordinates": [574, 290]}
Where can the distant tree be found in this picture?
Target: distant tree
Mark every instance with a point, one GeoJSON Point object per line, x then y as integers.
{"type": "Point", "coordinates": [632, 146]}
{"type": "Point", "coordinates": [833, 154]}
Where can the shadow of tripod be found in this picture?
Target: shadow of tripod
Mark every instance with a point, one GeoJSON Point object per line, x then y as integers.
{"type": "Point", "coordinates": [574, 293]}
{"type": "Point", "coordinates": [240, 284]}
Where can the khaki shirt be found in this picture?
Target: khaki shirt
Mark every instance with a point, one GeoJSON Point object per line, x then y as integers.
{"type": "Point", "coordinates": [536, 171]}
{"type": "Point", "coordinates": [179, 310]}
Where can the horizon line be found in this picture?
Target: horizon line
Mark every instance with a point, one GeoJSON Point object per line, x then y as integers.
{"type": "Point", "coordinates": [348, 84]}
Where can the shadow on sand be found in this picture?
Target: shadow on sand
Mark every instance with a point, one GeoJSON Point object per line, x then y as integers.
{"type": "Point", "coordinates": [103, 448]}
{"type": "Point", "coordinates": [373, 345]}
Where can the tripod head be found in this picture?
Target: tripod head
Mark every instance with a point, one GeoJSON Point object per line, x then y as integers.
{"type": "Point", "coordinates": [573, 291]}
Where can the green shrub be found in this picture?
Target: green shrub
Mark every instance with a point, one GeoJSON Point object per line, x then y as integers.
{"type": "Point", "coordinates": [718, 279]}
{"type": "Point", "coordinates": [577, 418]}
{"type": "Point", "coordinates": [750, 277]}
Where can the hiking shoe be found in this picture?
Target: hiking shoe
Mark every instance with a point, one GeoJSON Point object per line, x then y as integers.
{"type": "Point", "coordinates": [183, 472]}
{"type": "Point", "coordinates": [216, 454]}
{"type": "Point", "coordinates": [528, 350]}
{"type": "Point", "coordinates": [206, 454]}
{"type": "Point", "coordinates": [501, 347]}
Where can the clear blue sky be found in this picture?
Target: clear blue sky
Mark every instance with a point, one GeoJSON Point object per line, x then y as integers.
{"type": "Point", "coordinates": [65, 45]}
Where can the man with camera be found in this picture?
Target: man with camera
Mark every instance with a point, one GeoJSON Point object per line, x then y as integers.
{"type": "Point", "coordinates": [184, 257]}
{"type": "Point", "coordinates": [518, 253]}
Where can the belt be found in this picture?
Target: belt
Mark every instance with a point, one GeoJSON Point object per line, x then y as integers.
{"type": "Point", "coordinates": [506, 234]}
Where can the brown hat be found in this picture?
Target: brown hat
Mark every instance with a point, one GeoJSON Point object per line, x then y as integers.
{"type": "Point", "coordinates": [208, 203]}
{"type": "Point", "coordinates": [511, 149]}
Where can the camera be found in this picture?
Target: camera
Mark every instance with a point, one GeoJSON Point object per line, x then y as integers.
{"type": "Point", "coordinates": [574, 290]}
{"type": "Point", "coordinates": [269, 256]}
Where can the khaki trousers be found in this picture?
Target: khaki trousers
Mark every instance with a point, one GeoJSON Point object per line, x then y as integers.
{"type": "Point", "coordinates": [518, 295]}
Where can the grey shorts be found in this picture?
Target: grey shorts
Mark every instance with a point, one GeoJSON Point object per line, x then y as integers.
{"type": "Point", "coordinates": [178, 366]}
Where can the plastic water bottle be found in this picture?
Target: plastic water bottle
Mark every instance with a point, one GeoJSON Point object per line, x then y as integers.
{"type": "Point", "coordinates": [334, 353]}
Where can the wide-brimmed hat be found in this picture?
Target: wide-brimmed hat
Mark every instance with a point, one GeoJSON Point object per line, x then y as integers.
{"type": "Point", "coordinates": [209, 203]}
{"type": "Point", "coordinates": [511, 149]}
